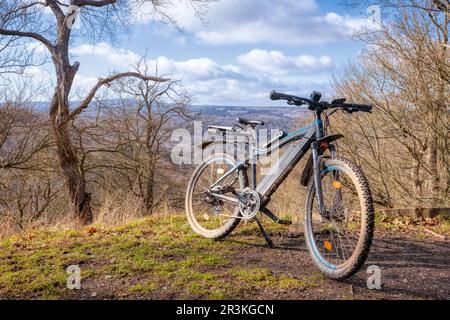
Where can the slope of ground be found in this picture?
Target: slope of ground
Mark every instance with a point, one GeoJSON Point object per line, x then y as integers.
{"type": "Point", "coordinates": [160, 258]}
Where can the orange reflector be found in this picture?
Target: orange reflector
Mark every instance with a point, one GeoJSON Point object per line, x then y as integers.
{"type": "Point", "coordinates": [324, 145]}
{"type": "Point", "coordinates": [327, 244]}
{"type": "Point", "coordinates": [337, 185]}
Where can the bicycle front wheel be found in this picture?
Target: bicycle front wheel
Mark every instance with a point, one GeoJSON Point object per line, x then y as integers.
{"type": "Point", "coordinates": [339, 238]}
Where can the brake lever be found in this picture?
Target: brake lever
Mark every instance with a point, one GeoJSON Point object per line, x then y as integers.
{"type": "Point", "coordinates": [297, 103]}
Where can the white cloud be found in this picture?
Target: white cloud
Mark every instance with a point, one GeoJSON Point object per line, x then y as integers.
{"type": "Point", "coordinates": [34, 71]}
{"type": "Point", "coordinates": [35, 48]}
{"type": "Point", "coordinates": [248, 80]}
{"type": "Point", "coordinates": [346, 23]}
{"type": "Point", "coordinates": [85, 83]}
{"type": "Point", "coordinates": [277, 63]}
{"type": "Point", "coordinates": [117, 56]}
{"type": "Point", "coordinates": [286, 22]}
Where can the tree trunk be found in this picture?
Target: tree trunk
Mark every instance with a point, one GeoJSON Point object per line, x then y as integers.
{"type": "Point", "coordinates": [417, 181]}
{"type": "Point", "coordinates": [149, 139]}
{"type": "Point", "coordinates": [60, 118]}
{"type": "Point", "coordinates": [432, 159]}
{"type": "Point", "coordinates": [149, 196]}
{"type": "Point", "coordinates": [76, 183]}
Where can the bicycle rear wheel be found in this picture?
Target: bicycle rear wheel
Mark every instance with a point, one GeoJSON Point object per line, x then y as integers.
{"type": "Point", "coordinates": [339, 239]}
{"type": "Point", "coordinates": [208, 216]}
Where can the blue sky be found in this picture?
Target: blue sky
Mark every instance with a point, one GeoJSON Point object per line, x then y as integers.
{"type": "Point", "coordinates": [245, 49]}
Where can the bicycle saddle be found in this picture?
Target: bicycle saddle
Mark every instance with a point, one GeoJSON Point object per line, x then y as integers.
{"type": "Point", "coordinates": [249, 122]}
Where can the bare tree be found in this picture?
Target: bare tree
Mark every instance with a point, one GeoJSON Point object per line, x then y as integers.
{"type": "Point", "coordinates": [156, 106]}
{"type": "Point", "coordinates": [126, 141]}
{"type": "Point", "coordinates": [23, 131]}
{"type": "Point", "coordinates": [101, 18]}
{"type": "Point", "coordinates": [14, 59]}
{"type": "Point", "coordinates": [29, 180]}
{"type": "Point", "coordinates": [405, 74]}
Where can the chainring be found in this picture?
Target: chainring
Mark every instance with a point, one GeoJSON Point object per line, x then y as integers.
{"type": "Point", "coordinates": [250, 204]}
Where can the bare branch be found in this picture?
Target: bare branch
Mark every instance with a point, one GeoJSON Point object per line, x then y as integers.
{"type": "Point", "coordinates": [32, 35]}
{"type": "Point", "coordinates": [105, 81]}
{"type": "Point", "coordinates": [93, 3]}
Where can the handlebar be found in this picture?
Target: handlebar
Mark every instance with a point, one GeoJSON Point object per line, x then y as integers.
{"type": "Point", "coordinates": [299, 101]}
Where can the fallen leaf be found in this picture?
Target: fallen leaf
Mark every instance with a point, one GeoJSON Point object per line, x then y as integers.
{"type": "Point", "coordinates": [91, 230]}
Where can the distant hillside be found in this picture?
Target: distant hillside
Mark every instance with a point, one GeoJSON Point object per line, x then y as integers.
{"type": "Point", "coordinates": [274, 116]}
{"type": "Point", "coordinates": [284, 117]}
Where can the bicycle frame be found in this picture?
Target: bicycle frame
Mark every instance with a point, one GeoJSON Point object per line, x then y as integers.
{"type": "Point", "coordinates": [309, 137]}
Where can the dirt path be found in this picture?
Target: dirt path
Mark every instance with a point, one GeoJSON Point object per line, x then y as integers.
{"type": "Point", "coordinates": [411, 269]}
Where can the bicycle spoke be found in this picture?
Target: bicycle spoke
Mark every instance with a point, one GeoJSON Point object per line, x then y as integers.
{"type": "Point", "coordinates": [209, 211]}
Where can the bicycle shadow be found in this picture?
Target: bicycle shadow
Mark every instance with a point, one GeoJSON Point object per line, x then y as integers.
{"type": "Point", "coordinates": [280, 241]}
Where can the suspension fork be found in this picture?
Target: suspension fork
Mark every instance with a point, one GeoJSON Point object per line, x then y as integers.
{"type": "Point", "coordinates": [317, 177]}
{"type": "Point", "coordinates": [315, 148]}
{"type": "Point", "coordinates": [336, 177]}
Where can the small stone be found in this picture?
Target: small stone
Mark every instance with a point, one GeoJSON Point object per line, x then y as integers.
{"type": "Point", "coordinates": [94, 294]}
{"type": "Point", "coordinates": [108, 276]}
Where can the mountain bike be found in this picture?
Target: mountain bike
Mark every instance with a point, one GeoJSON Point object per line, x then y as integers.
{"type": "Point", "coordinates": [338, 213]}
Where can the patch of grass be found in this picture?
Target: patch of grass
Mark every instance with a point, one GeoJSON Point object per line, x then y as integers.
{"type": "Point", "coordinates": [257, 277]}
{"type": "Point", "coordinates": [197, 283]}
{"type": "Point", "coordinates": [46, 281]}
{"type": "Point", "coordinates": [263, 277]}
{"type": "Point", "coordinates": [147, 287]}
{"type": "Point", "coordinates": [207, 259]}
{"type": "Point", "coordinates": [286, 282]}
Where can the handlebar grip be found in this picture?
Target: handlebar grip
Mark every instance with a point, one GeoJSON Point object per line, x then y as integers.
{"type": "Point", "coordinates": [363, 107]}
{"type": "Point", "coordinates": [275, 95]}
{"type": "Point", "coordinates": [354, 107]}
{"type": "Point", "coordinates": [282, 96]}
